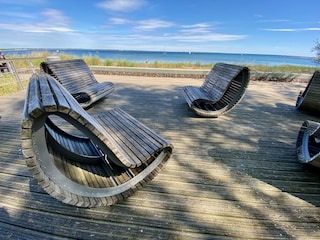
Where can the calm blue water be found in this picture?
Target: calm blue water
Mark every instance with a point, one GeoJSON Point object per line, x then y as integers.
{"type": "Point", "coordinates": [187, 57]}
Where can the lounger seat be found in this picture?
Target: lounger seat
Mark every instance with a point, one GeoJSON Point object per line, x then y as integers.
{"type": "Point", "coordinates": [308, 143]}
{"type": "Point", "coordinates": [222, 89]}
{"type": "Point", "coordinates": [86, 160]}
{"type": "Point", "coordinates": [77, 78]}
{"type": "Point", "coordinates": [309, 99]}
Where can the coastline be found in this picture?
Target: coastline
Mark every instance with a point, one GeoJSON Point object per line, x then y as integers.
{"type": "Point", "coordinates": [173, 57]}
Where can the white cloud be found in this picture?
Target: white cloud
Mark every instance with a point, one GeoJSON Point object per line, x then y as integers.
{"type": "Point", "coordinates": [291, 29]}
{"type": "Point", "coordinates": [34, 28]}
{"type": "Point", "coordinates": [143, 25]}
{"type": "Point", "coordinates": [209, 37]}
{"type": "Point", "coordinates": [197, 25]}
{"type": "Point", "coordinates": [121, 5]}
{"type": "Point", "coordinates": [54, 21]}
{"type": "Point", "coordinates": [151, 24]}
{"type": "Point", "coordinates": [55, 18]}
{"type": "Point", "coordinates": [198, 28]}
{"type": "Point", "coordinates": [280, 29]}
{"type": "Point", "coordinates": [311, 29]}
{"type": "Point", "coordinates": [273, 21]}
{"type": "Point", "coordinates": [198, 32]}
{"type": "Point", "coordinates": [119, 21]}
{"type": "Point", "coordinates": [195, 31]}
{"type": "Point", "coordinates": [202, 32]}
{"type": "Point", "coordinates": [23, 15]}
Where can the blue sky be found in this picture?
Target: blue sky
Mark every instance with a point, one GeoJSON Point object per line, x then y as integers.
{"type": "Point", "coordinates": [284, 27]}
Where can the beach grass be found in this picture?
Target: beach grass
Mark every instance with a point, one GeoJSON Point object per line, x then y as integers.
{"type": "Point", "coordinates": [9, 85]}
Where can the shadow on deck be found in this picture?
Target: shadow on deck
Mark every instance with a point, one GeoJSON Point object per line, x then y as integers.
{"type": "Point", "coordinates": [232, 177]}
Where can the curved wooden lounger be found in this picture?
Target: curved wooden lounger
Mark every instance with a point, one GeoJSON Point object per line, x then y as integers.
{"type": "Point", "coordinates": [308, 143]}
{"type": "Point", "coordinates": [222, 89]}
{"type": "Point", "coordinates": [86, 160]}
{"type": "Point", "coordinates": [77, 78]}
{"type": "Point", "coordinates": [309, 99]}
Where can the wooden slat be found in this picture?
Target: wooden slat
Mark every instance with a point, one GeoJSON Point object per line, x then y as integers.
{"type": "Point", "coordinates": [91, 170]}
{"type": "Point", "coordinates": [77, 78]}
{"type": "Point", "coordinates": [309, 99]}
{"type": "Point", "coordinates": [308, 144]}
{"type": "Point", "coordinates": [222, 89]}
{"type": "Point", "coordinates": [236, 177]}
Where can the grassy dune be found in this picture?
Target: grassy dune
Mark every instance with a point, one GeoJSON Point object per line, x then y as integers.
{"type": "Point", "coordinates": [96, 61]}
{"type": "Point", "coordinates": [8, 84]}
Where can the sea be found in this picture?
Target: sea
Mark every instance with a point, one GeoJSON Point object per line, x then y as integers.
{"type": "Point", "coordinates": [174, 57]}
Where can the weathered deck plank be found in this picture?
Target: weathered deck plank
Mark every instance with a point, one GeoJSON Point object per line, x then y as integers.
{"type": "Point", "coordinates": [232, 177]}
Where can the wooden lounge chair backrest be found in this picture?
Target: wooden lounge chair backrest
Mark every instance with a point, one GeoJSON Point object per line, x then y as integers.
{"type": "Point", "coordinates": [65, 71]}
{"type": "Point", "coordinates": [76, 76]}
{"type": "Point", "coordinates": [222, 89]}
{"type": "Point", "coordinates": [309, 99]}
{"type": "Point", "coordinates": [219, 79]}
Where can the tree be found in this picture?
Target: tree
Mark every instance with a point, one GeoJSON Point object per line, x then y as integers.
{"type": "Point", "coordinates": [316, 49]}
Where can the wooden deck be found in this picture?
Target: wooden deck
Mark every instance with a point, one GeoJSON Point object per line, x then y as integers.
{"type": "Point", "coordinates": [232, 177]}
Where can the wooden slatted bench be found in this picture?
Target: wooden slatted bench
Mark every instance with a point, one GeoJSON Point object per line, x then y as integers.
{"type": "Point", "coordinates": [309, 99]}
{"type": "Point", "coordinates": [85, 160]}
{"type": "Point", "coordinates": [308, 143]}
{"type": "Point", "coordinates": [77, 78]}
{"type": "Point", "coordinates": [223, 88]}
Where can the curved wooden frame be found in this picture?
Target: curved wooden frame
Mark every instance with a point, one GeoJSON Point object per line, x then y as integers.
{"type": "Point", "coordinates": [115, 156]}
{"type": "Point", "coordinates": [222, 89]}
{"type": "Point", "coordinates": [308, 143]}
{"type": "Point", "coordinates": [77, 78]}
{"type": "Point", "coordinates": [309, 99]}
